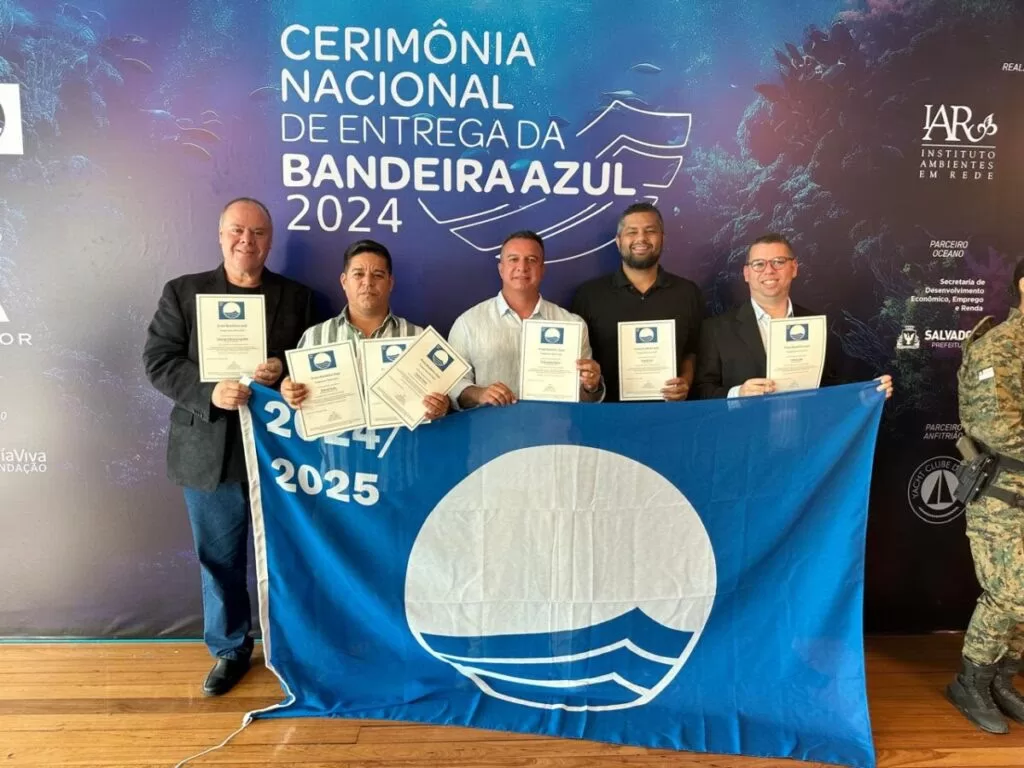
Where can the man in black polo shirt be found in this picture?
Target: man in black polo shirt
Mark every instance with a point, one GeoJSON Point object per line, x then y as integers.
{"type": "Point", "coordinates": [641, 290]}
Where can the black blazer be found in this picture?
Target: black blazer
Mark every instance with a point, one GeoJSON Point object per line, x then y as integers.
{"type": "Point", "coordinates": [198, 434]}
{"type": "Point", "coordinates": [731, 351]}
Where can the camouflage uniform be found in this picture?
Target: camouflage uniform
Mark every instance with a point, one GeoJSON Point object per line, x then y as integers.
{"type": "Point", "coordinates": [991, 395]}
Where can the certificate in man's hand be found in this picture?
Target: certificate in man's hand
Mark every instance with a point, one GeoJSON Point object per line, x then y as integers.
{"type": "Point", "coordinates": [376, 356]}
{"type": "Point", "coordinates": [547, 360]}
{"type": "Point", "coordinates": [796, 352]}
{"type": "Point", "coordinates": [335, 400]}
{"type": "Point", "coordinates": [232, 331]}
{"type": "Point", "coordinates": [428, 365]}
{"type": "Point", "coordinates": [647, 358]}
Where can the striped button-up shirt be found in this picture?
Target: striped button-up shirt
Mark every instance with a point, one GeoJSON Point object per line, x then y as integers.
{"type": "Point", "coordinates": [339, 329]}
{"type": "Point", "coordinates": [488, 337]}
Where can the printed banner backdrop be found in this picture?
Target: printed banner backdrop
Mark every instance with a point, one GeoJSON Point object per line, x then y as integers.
{"type": "Point", "coordinates": [564, 565]}
{"type": "Point", "coordinates": [881, 136]}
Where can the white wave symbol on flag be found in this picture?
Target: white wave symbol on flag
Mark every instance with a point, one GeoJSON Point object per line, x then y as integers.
{"type": "Point", "coordinates": [621, 132]}
{"type": "Point", "coordinates": [562, 577]}
{"type": "Point", "coordinates": [622, 672]}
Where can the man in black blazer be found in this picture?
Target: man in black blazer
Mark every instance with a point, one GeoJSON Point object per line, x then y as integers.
{"type": "Point", "coordinates": [731, 361]}
{"type": "Point", "coordinates": [204, 445]}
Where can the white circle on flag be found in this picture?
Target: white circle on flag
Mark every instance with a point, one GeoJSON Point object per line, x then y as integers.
{"type": "Point", "coordinates": [552, 541]}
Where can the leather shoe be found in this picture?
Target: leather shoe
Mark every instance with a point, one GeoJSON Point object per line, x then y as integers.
{"type": "Point", "coordinates": [224, 676]}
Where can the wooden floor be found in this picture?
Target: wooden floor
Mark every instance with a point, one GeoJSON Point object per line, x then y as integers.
{"type": "Point", "coordinates": [139, 705]}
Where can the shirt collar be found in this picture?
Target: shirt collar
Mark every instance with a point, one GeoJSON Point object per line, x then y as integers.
{"type": "Point", "coordinates": [503, 306]}
{"type": "Point", "coordinates": [761, 315]}
{"type": "Point", "coordinates": [619, 279]}
{"type": "Point", "coordinates": [390, 318]}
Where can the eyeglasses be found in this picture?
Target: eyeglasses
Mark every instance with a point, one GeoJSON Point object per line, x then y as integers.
{"type": "Point", "coordinates": [777, 263]}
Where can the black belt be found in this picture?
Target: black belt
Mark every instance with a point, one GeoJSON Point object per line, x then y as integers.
{"type": "Point", "coordinates": [1003, 463]}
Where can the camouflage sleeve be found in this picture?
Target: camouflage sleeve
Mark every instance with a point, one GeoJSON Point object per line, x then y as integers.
{"type": "Point", "coordinates": [992, 395]}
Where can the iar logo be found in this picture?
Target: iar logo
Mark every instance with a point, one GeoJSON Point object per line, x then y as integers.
{"type": "Point", "coordinates": [931, 488]}
{"type": "Point", "coordinates": [603, 620]}
{"type": "Point", "coordinates": [11, 140]}
{"type": "Point", "coordinates": [956, 122]}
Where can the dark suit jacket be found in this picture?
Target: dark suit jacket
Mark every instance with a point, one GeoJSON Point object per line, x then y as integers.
{"type": "Point", "coordinates": [198, 435]}
{"type": "Point", "coordinates": [731, 351]}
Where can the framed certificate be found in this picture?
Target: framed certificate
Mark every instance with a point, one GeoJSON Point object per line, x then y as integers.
{"type": "Point", "coordinates": [548, 353]}
{"type": "Point", "coordinates": [335, 400]}
{"type": "Point", "coordinates": [375, 357]}
{"type": "Point", "coordinates": [232, 331]}
{"type": "Point", "coordinates": [647, 358]}
{"type": "Point", "coordinates": [796, 352]}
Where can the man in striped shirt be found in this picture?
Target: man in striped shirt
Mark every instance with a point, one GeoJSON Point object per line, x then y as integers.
{"type": "Point", "coordinates": [488, 335]}
{"type": "Point", "coordinates": [367, 281]}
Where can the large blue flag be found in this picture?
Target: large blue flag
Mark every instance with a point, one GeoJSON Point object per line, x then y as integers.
{"type": "Point", "coordinates": [686, 576]}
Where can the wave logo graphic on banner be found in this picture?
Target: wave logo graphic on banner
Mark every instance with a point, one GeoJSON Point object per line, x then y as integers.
{"type": "Point", "coordinates": [11, 135]}
{"type": "Point", "coordinates": [552, 608]}
{"type": "Point", "coordinates": [626, 150]}
{"type": "Point", "coordinates": [3, 315]}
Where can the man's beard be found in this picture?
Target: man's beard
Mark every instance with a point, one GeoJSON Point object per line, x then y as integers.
{"type": "Point", "coordinates": [636, 262]}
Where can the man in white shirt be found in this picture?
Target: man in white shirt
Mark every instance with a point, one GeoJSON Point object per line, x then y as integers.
{"type": "Point", "coordinates": [731, 361]}
{"type": "Point", "coordinates": [488, 335]}
{"type": "Point", "coordinates": [367, 280]}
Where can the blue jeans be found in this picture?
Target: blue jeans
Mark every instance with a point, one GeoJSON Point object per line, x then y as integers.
{"type": "Point", "coordinates": [220, 530]}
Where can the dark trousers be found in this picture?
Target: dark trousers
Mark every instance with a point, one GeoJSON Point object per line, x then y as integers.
{"type": "Point", "coordinates": [220, 530]}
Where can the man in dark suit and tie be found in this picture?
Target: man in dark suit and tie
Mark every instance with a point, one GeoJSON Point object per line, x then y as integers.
{"type": "Point", "coordinates": [731, 361]}
{"type": "Point", "coordinates": [204, 446]}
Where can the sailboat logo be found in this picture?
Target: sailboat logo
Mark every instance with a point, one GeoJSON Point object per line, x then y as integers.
{"type": "Point", "coordinates": [932, 488]}
{"type": "Point", "coordinates": [584, 589]}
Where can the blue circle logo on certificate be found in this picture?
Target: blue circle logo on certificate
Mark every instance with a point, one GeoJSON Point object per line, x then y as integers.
{"type": "Point", "coordinates": [798, 332]}
{"type": "Point", "coordinates": [552, 335]}
{"type": "Point", "coordinates": [646, 335]}
{"type": "Point", "coordinates": [440, 358]}
{"type": "Point", "coordinates": [322, 361]}
{"type": "Point", "coordinates": [230, 310]}
{"type": "Point", "coordinates": [390, 352]}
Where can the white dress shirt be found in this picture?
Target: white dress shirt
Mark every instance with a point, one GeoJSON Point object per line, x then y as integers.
{"type": "Point", "coordinates": [488, 336]}
{"type": "Point", "coordinates": [763, 320]}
